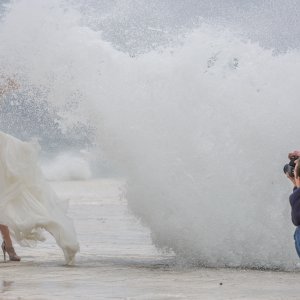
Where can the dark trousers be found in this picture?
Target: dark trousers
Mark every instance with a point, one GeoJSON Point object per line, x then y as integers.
{"type": "Point", "coordinates": [297, 240]}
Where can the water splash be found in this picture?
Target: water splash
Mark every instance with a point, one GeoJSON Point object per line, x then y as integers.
{"type": "Point", "coordinates": [200, 130]}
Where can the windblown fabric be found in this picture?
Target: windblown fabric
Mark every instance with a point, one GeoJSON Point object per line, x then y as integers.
{"type": "Point", "coordinates": [28, 205]}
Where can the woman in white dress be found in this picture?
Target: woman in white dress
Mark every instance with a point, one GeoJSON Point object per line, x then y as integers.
{"type": "Point", "coordinates": [7, 246]}
{"type": "Point", "coordinates": [28, 205]}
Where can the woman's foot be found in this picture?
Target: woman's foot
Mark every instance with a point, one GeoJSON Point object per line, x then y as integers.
{"type": "Point", "coordinates": [11, 252]}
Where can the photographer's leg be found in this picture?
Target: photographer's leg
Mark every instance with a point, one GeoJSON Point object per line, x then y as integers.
{"type": "Point", "coordinates": [297, 240]}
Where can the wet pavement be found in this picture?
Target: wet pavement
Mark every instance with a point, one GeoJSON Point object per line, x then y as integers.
{"type": "Point", "coordinates": [118, 261]}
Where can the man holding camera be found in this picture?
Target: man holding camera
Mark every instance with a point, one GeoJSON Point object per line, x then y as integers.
{"type": "Point", "coordinates": [292, 171]}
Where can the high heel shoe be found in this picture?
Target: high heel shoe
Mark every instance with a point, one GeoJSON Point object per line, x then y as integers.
{"type": "Point", "coordinates": [11, 253]}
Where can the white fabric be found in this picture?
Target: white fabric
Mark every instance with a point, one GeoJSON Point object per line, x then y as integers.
{"type": "Point", "coordinates": [27, 203]}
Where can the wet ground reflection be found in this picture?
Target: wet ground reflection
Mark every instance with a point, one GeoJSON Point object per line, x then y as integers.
{"type": "Point", "coordinates": [6, 286]}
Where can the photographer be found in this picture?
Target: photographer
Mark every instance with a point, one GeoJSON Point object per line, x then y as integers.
{"type": "Point", "coordinates": [294, 175]}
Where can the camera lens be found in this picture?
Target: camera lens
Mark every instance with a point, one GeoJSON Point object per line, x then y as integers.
{"type": "Point", "coordinates": [288, 169]}
{"type": "Point", "coordinates": [285, 168]}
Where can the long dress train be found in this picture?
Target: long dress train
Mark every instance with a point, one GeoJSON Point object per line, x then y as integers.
{"type": "Point", "coordinates": [27, 203]}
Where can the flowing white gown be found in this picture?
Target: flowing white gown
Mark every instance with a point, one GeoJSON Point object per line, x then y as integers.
{"type": "Point", "coordinates": [28, 205]}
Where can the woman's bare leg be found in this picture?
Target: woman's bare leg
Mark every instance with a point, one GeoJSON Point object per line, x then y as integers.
{"type": "Point", "coordinates": [6, 236]}
{"type": "Point", "coordinates": [7, 245]}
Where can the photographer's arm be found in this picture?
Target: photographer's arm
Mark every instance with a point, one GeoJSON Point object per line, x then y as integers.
{"type": "Point", "coordinates": [297, 174]}
{"type": "Point", "coordinates": [292, 179]}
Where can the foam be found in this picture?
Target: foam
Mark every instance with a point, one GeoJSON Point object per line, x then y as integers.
{"type": "Point", "coordinates": [67, 167]}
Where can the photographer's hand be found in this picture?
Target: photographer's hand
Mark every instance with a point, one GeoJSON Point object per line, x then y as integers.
{"type": "Point", "coordinates": [294, 154]}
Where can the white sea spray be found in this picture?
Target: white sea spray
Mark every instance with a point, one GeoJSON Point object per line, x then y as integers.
{"type": "Point", "coordinates": [201, 130]}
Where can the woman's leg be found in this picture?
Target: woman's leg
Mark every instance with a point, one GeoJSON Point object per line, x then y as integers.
{"type": "Point", "coordinates": [6, 236]}
{"type": "Point", "coordinates": [7, 244]}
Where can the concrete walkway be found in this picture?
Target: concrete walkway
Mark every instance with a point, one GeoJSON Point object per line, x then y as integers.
{"type": "Point", "coordinates": [117, 261]}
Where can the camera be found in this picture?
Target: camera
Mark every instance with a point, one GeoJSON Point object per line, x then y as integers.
{"type": "Point", "coordinates": [290, 167]}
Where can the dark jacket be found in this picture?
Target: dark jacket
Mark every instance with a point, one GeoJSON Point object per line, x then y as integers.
{"type": "Point", "coordinates": [295, 204]}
